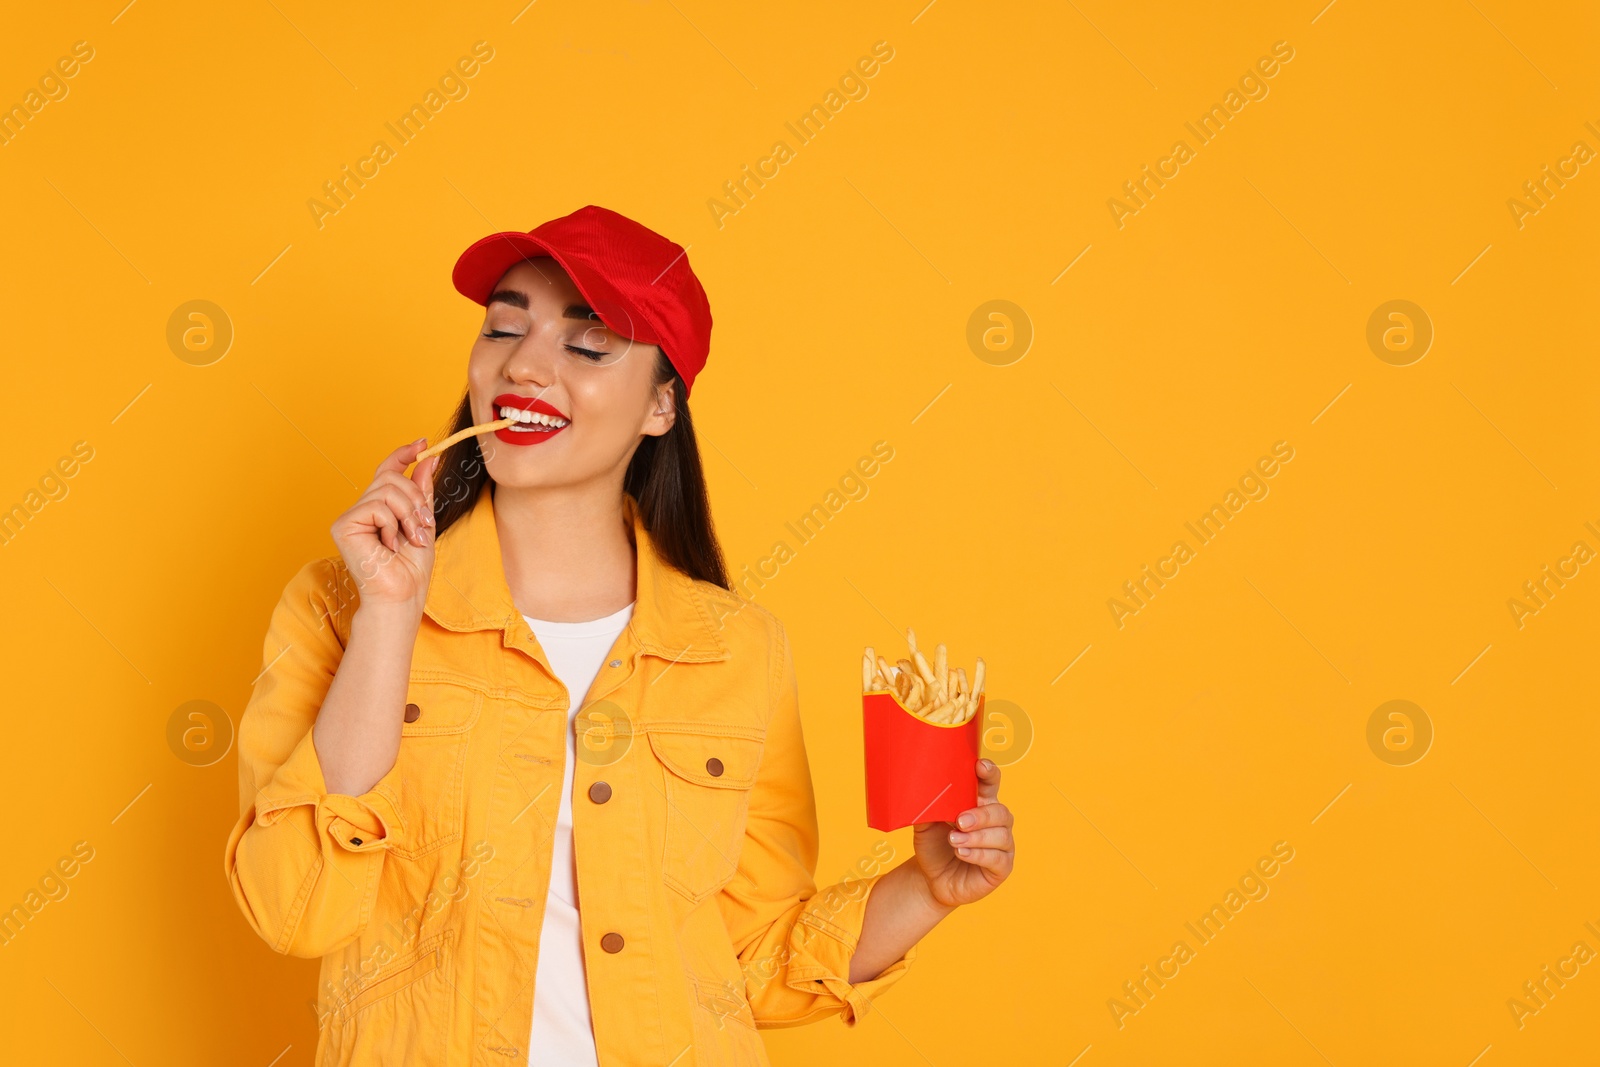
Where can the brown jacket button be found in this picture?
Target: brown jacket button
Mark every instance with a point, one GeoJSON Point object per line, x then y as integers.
{"type": "Point", "coordinates": [600, 792]}
{"type": "Point", "coordinates": [611, 942]}
{"type": "Point", "coordinates": [714, 767]}
{"type": "Point", "coordinates": [413, 713]}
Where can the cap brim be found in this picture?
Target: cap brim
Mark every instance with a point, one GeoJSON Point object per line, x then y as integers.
{"type": "Point", "coordinates": [481, 267]}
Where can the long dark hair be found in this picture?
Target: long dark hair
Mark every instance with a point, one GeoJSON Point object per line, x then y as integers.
{"type": "Point", "coordinates": [664, 476]}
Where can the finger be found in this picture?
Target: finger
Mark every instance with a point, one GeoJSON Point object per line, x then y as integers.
{"type": "Point", "coordinates": [387, 510]}
{"type": "Point", "coordinates": [404, 510]}
{"type": "Point", "coordinates": [423, 476]}
{"type": "Point", "coordinates": [378, 515]}
{"type": "Point", "coordinates": [992, 859]}
{"type": "Point", "coordinates": [996, 814]}
{"type": "Point", "coordinates": [412, 491]}
{"type": "Point", "coordinates": [988, 837]}
{"type": "Point", "coordinates": [988, 781]}
{"type": "Point", "coordinates": [401, 457]}
{"type": "Point", "coordinates": [420, 509]}
{"type": "Point", "coordinates": [402, 520]}
{"type": "Point", "coordinates": [991, 818]}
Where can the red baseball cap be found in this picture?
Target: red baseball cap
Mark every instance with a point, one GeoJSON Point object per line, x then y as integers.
{"type": "Point", "coordinates": [637, 281]}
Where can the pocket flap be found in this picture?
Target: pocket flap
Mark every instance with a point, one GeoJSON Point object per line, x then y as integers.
{"type": "Point", "coordinates": [437, 706]}
{"type": "Point", "coordinates": [708, 755]}
{"type": "Point", "coordinates": [399, 973]}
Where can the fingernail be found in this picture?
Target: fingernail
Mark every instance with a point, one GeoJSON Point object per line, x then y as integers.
{"type": "Point", "coordinates": [964, 820]}
{"type": "Point", "coordinates": [963, 852]}
{"type": "Point", "coordinates": [956, 837]}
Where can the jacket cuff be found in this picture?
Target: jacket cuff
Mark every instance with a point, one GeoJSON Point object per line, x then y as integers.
{"type": "Point", "coordinates": [364, 823]}
{"type": "Point", "coordinates": [824, 940]}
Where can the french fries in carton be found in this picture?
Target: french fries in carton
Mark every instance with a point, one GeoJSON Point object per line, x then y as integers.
{"type": "Point", "coordinates": [923, 725]}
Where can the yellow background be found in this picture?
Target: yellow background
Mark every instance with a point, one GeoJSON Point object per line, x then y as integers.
{"type": "Point", "coordinates": [1223, 317]}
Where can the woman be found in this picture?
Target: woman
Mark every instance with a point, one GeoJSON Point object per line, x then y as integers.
{"type": "Point", "coordinates": [523, 690]}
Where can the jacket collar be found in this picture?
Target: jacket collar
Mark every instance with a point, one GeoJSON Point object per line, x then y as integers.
{"type": "Point", "coordinates": [672, 616]}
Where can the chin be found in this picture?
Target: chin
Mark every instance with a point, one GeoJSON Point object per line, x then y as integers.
{"type": "Point", "coordinates": [521, 475]}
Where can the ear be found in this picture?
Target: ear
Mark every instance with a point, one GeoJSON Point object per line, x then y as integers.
{"type": "Point", "coordinates": [663, 411]}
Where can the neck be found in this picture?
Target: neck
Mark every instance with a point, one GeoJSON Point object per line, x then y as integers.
{"type": "Point", "coordinates": [567, 550]}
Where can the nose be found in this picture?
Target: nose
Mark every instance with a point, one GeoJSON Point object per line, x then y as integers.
{"type": "Point", "coordinates": [533, 362]}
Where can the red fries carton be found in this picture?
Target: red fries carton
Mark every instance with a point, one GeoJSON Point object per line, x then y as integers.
{"type": "Point", "coordinates": [917, 771]}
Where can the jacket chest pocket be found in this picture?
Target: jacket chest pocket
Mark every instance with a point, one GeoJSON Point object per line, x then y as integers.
{"type": "Point", "coordinates": [439, 717]}
{"type": "Point", "coordinates": [707, 783]}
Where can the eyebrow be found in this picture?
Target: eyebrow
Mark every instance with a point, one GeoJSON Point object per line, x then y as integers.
{"type": "Point", "coordinates": [508, 296]}
{"type": "Point", "coordinates": [519, 299]}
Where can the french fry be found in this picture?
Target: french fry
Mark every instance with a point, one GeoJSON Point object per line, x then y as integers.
{"type": "Point", "coordinates": [462, 435]}
{"type": "Point", "coordinates": [934, 692]}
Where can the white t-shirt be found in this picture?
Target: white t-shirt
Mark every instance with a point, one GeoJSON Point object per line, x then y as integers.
{"type": "Point", "coordinates": [563, 1033]}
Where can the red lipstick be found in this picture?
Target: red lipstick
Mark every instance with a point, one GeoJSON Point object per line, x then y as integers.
{"type": "Point", "coordinates": [541, 422]}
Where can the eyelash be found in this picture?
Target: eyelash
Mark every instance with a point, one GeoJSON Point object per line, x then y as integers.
{"type": "Point", "coordinates": [586, 353]}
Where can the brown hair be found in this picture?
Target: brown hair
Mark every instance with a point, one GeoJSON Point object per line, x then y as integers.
{"type": "Point", "coordinates": [664, 476]}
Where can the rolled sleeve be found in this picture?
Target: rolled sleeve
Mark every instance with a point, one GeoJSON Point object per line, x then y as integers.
{"type": "Point", "coordinates": [305, 864]}
{"type": "Point", "coordinates": [365, 823]}
{"type": "Point", "coordinates": [823, 943]}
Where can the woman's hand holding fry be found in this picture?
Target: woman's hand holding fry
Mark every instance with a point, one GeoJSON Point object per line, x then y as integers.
{"type": "Point", "coordinates": [387, 537]}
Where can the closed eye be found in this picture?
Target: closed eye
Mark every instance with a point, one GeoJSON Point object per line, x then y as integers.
{"type": "Point", "coordinates": [587, 353]}
{"type": "Point", "coordinates": [501, 333]}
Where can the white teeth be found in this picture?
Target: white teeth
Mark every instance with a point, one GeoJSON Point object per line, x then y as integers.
{"type": "Point", "coordinates": [535, 418]}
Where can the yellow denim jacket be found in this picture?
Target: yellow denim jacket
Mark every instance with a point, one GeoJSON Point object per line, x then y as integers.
{"type": "Point", "coordinates": [694, 828]}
